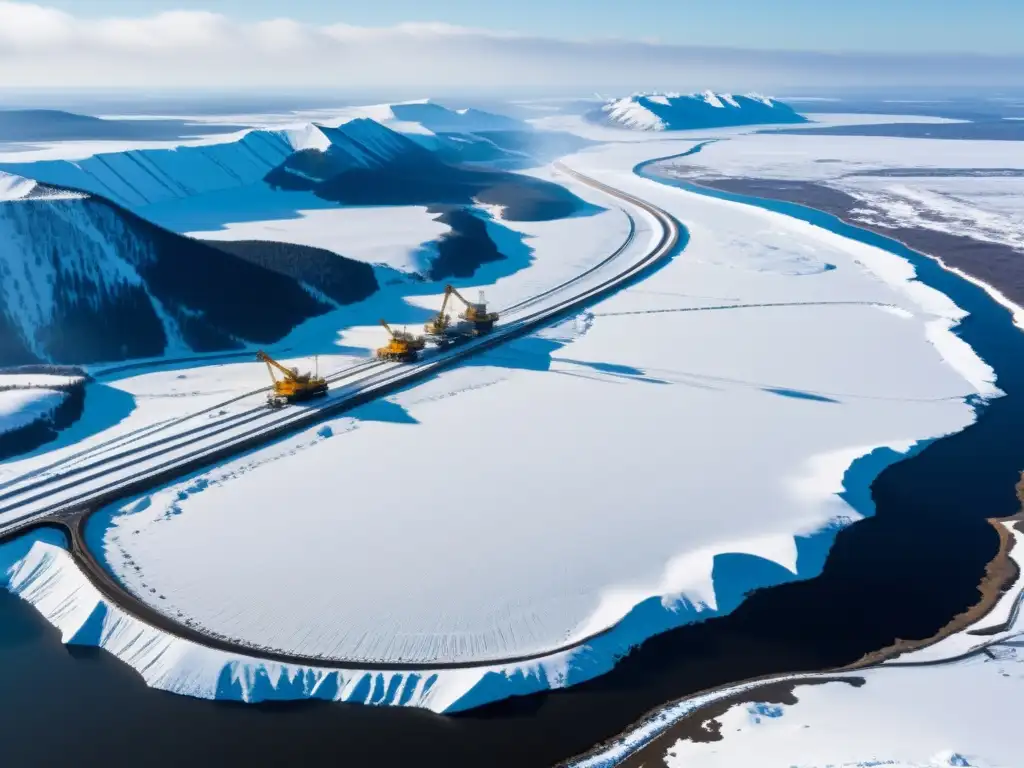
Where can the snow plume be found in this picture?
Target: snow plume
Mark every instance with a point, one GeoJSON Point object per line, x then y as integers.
{"type": "Point", "coordinates": [44, 46]}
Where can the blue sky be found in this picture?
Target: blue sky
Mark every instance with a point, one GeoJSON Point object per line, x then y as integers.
{"type": "Point", "coordinates": [976, 26]}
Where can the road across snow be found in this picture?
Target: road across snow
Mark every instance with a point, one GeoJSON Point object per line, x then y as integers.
{"type": "Point", "coordinates": [543, 492]}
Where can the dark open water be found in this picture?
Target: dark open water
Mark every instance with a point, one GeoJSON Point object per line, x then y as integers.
{"type": "Point", "coordinates": [903, 573]}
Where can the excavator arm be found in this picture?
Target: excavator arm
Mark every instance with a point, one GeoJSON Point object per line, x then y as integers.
{"type": "Point", "coordinates": [387, 328]}
{"type": "Point", "coordinates": [449, 290]}
{"type": "Point", "coordinates": [263, 357]}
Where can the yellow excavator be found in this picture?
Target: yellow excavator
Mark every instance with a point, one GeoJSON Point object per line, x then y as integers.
{"type": "Point", "coordinates": [292, 386]}
{"type": "Point", "coordinates": [475, 314]}
{"type": "Point", "coordinates": [402, 347]}
{"type": "Point", "coordinates": [439, 325]}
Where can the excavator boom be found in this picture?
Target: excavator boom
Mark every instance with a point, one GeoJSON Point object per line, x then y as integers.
{"type": "Point", "coordinates": [263, 357]}
{"type": "Point", "coordinates": [294, 386]}
{"type": "Point", "coordinates": [475, 312]}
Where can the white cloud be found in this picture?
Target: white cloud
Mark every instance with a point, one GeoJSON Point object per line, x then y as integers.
{"type": "Point", "coordinates": [41, 46]}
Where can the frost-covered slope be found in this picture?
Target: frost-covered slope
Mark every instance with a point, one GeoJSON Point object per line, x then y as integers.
{"type": "Point", "coordinates": [359, 162]}
{"type": "Point", "coordinates": [425, 117]}
{"type": "Point", "coordinates": [143, 177]}
{"type": "Point", "coordinates": [440, 119]}
{"type": "Point", "coordinates": [82, 280]}
{"type": "Point", "coordinates": [674, 112]}
{"type": "Point", "coordinates": [21, 407]}
{"type": "Point", "coordinates": [136, 178]}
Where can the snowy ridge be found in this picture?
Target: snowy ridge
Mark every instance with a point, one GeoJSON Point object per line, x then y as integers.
{"type": "Point", "coordinates": [15, 187]}
{"type": "Point", "coordinates": [707, 109]}
{"type": "Point", "coordinates": [139, 178]}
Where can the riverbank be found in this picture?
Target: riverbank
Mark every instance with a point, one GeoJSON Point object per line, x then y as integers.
{"type": "Point", "coordinates": [996, 267]}
{"type": "Point", "coordinates": [702, 721]}
{"type": "Point", "coordinates": [930, 518]}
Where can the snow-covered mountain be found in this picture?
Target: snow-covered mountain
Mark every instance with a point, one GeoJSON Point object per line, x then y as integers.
{"type": "Point", "coordinates": [358, 162]}
{"type": "Point", "coordinates": [676, 112]}
{"type": "Point", "coordinates": [440, 119]}
{"type": "Point", "coordinates": [362, 162]}
{"type": "Point", "coordinates": [83, 280]}
{"type": "Point", "coordinates": [426, 117]}
{"type": "Point", "coordinates": [86, 275]}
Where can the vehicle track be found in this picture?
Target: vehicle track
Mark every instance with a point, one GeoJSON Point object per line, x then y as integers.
{"type": "Point", "coordinates": [210, 428]}
{"type": "Point", "coordinates": [73, 514]}
{"type": "Point", "coordinates": [153, 429]}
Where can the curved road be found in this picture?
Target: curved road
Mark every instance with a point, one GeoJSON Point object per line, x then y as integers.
{"type": "Point", "coordinates": [72, 514]}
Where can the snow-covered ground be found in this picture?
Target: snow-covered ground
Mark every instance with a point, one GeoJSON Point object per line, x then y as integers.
{"type": "Point", "coordinates": [401, 237]}
{"type": "Point", "coordinates": [573, 481]}
{"type": "Point", "coordinates": [989, 208]}
{"type": "Point", "coordinates": [963, 187]}
{"type": "Point", "coordinates": [460, 500]}
{"type": "Point", "coordinates": [821, 158]}
{"type": "Point", "coordinates": [21, 407]}
{"type": "Point", "coordinates": [579, 125]}
{"type": "Point", "coordinates": [122, 407]}
{"type": "Point", "coordinates": [32, 380]}
{"type": "Point", "coordinates": [957, 709]}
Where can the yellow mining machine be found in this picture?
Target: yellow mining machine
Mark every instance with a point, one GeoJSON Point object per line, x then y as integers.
{"type": "Point", "coordinates": [439, 326]}
{"type": "Point", "coordinates": [402, 347]}
{"type": "Point", "coordinates": [475, 314]}
{"type": "Point", "coordinates": [292, 386]}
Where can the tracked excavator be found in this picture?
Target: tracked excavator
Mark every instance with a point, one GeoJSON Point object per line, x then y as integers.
{"type": "Point", "coordinates": [403, 346]}
{"type": "Point", "coordinates": [475, 316]}
{"type": "Point", "coordinates": [292, 386]}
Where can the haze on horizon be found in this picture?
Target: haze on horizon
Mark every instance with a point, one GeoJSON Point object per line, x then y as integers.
{"type": "Point", "coordinates": [204, 44]}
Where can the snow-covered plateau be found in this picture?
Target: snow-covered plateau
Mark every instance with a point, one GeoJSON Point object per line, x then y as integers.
{"type": "Point", "coordinates": [579, 484]}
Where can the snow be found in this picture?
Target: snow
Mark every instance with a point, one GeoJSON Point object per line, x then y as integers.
{"type": "Point", "coordinates": [961, 714]}
{"type": "Point", "coordinates": [815, 157]}
{"type": "Point", "coordinates": [14, 187]}
{"type": "Point", "coordinates": [21, 407]}
{"type": "Point", "coordinates": [121, 408]}
{"type": "Point", "coordinates": [984, 208]}
{"type": "Point", "coordinates": [28, 380]}
{"type": "Point", "coordinates": [37, 568]}
{"type": "Point", "coordinates": [810, 356]}
{"type": "Point", "coordinates": [628, 420]}
{"type": "Point", "coordinates": [632, 114]}
{"type": "Point", "coordinates": [951, 711]}
{"type": "Point", "coordinates": [401, 237]}
{"type": "Point", "coordinates": [158, 172]}
{"type": "Point", "coordinates": [29, 288]}
{"type": "Point", "coordinates": [963, 193]}
{"type": "Point", "coordinates": [713, 100]}
{"type": "Point", "coordinates": [706, 109]}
